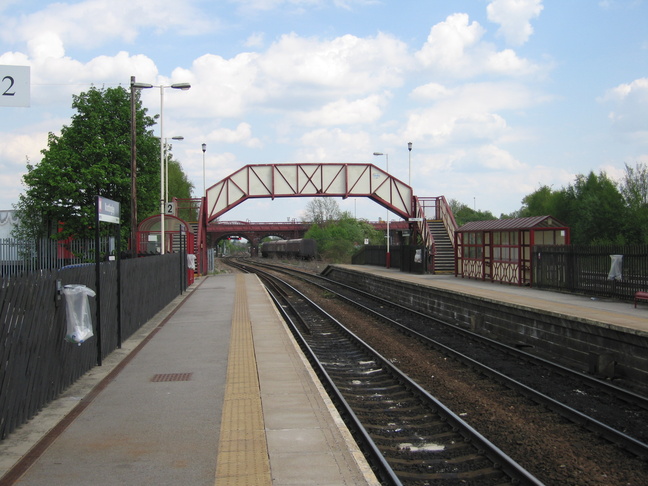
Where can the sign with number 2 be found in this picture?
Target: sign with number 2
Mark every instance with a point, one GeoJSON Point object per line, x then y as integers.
{"type": "Point", "coordinates": [14, 85]}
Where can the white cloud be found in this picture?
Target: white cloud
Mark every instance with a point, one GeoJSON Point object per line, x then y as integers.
{"type": "Point", "coordinates": [448, 41]}
{"type": "Point", "coordinates": [15, 151]}
{"type": "Point", "coordinates": [496, 158]}
{"type": "Point", "coordinates": [255, 40]}
{"type": "Point", "coordinates": [455, 48]}
{"type": "Point", "coordinates": [273, 4]}
{"type": "Point", "coordinates": [334, 145]}
{"type": "Point", "coordinates": [630, 104]}
{"type": "Point", "coordinates": [514, 17]}
{"type": "Point", "coordinates": [487, 176]}
{"type": "Point", "coordinates": [241, 134]}
{"type": "Point", "coordinates": [46, 44]}
{"type": "Point", "coordinates": [223, 87]}
{"type": "Point", "coordinates": [343, 112]}
{"type": "Point", "coordinates": [439, 128]}
{"type": "Point", "coordinates": [299, 5]}
{"type": "Point", "coordinates": [469, 112]}
{"type": "Point", "coordinates": [431, 92]}
{"type": "Point", "coordinates": [637, 88]}
{"type": "Point", "coordinates": [348, 64]}
{"type": "Point", "coordinates": [77, 23]}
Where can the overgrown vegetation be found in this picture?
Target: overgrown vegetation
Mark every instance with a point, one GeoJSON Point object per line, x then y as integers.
{"type": "Point", "coordinates": [338, 234]}
{"type": "Point", "coordinates": [598, 210]}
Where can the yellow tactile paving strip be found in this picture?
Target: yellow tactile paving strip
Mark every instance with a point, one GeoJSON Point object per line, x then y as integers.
{"type": "Point", "coordinates": [242, 451]}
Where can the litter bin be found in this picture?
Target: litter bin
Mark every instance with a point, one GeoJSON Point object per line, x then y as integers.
{"type": "Point", "coordinates": [77, 310]}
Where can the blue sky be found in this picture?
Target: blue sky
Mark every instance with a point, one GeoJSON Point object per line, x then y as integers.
{"type": "Point", "coordinates": [498, 97]}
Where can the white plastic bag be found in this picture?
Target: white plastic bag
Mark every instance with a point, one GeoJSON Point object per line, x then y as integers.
{"type": "Point", "coordinates": [77, 310]}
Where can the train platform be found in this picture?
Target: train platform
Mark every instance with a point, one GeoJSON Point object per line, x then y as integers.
{"type": "Point", "coordinates": [605, 312]}
{"type": "Point", "coordinates": [213, 391]}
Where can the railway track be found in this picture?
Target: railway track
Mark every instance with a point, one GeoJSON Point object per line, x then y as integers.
{"type": "Point", "coordinates": [409, 436]}
{"type": "Point", "coordinates": [617, 415]}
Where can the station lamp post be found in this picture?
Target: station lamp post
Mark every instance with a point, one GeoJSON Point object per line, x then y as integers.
{"type": "Point", "coordinates": [184, 87]}
{"type": "Point", "coordinates": [204, 149]}
{"type": "Point", "coordinates": [409, 148]}
{"type": "Point", "coordinates": [133, 222]}
{"type": "Point", "coordinates": [388, 256]}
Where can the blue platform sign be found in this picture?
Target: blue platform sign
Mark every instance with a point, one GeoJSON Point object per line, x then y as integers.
{"type": "Point", "coordinates": [108, 210]}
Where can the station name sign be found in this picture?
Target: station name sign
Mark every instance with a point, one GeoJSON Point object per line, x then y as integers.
{"type": "Point", "coordinates": [108, 210]}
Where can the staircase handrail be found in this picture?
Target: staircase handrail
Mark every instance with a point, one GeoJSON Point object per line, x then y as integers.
{"type": "Point", "coordinates": [447, 217]}
{"type": "Point", "coordinates": [421, 224]}
{"type": "Point", "coordinates": [201, 244]}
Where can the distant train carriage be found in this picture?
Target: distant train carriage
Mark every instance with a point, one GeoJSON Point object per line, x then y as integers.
{"type": "Point", "coordinates": [303, 248]}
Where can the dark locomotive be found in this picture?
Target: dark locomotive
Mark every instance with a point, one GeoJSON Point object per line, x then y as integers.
{"type": "Point", "coordinates": [303, 248]}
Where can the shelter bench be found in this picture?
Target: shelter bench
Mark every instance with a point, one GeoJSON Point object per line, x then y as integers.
{"type": "Point", "coordinates": [640, 296]}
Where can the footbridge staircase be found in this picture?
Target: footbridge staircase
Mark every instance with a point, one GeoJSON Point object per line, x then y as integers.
{"type": "Point", "coordinates": [436, 226]}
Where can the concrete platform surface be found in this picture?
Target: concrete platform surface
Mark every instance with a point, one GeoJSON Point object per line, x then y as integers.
{"type": "Point", "coordinates": [600, 311]}
{"type": "Point", "coordinates": [212, 391]}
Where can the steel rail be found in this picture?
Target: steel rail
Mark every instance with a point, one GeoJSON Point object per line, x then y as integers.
{"type": "Point", "coordinates": [381, 467]}
{"type": "Point", "coordinates": [613, 435]}
{"type": "Point", "coordinates": [496, 455]}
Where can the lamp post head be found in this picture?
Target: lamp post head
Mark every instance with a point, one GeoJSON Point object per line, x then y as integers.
{"type": "Point", "coordinates": [141, 85]}
{"type": "Point", "coordinates": [378, 153]}
{"type": "Point", "coordinates": [182, 86]}
{"type": "Point", "coordinates": [204, 147]}
{"type": "Point", "coordinates": [409, 146]}
{"type": "Point", "coordinates": [179, 137]}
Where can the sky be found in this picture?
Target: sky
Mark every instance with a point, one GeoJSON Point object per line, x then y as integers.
{"type": "Point", "coordinates": [498, 97]}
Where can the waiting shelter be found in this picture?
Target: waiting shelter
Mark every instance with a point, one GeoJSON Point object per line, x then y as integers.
{"type": "Point", "coordinates": [500, 250]}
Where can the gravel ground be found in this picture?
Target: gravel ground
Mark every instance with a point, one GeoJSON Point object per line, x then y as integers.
{"type": "Point", "coordinates": [554, 450]}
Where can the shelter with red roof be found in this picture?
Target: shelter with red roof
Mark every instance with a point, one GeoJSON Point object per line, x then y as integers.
{"type": "Point", "coordinates": [500, 250]}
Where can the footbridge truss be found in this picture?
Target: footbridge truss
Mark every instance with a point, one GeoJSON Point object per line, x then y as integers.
{"type": "Point", "coordinates": [310, 180]}
{"type": "Point", "coordinates": [316, 180]}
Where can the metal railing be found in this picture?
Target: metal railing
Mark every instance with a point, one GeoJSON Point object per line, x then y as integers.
{"type": "Point", "coordinates": [23, 256]}
{"type": "Point", "coordinates": [588, 269]}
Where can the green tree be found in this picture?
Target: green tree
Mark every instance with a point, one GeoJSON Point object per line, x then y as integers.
{"type": "Point", "coordinates": [597, 211]}
{"type": "Point", "coordinates": [90, 157]}
{"type": "Point", "coordinates": [338, 239]}
{"type": "Point", "coordinates": [546, 202]}
{"type": "Point", "coordinates": [634, 189]}
{"type": "Point", "coordinates": [322, 209]}
{"type": "Point", "coordinates": [464, 214]}
{"type": "Point", "coordinates": [179, 184]}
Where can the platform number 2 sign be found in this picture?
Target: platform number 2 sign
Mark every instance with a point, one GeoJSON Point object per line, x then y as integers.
{"type": "Point", "coordinates": [14, 85]}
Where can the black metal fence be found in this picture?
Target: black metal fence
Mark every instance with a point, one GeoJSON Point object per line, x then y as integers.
{"type": "Point", "coordinates": [19, 256]}
{"type": "Point", "coordinates": [36, 363]}
{"type": "Point", "coordinates": [411, 259]}
{"type": "Point", "coordinates": [592, 269]}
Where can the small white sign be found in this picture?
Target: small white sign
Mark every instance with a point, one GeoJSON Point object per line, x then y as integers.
{"type": "Point", "coordinates": [170, 208]}
{"type": "Point", "coordinates": [415, 220]}
{"type": "Point", "coordinates": [14, 86]}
